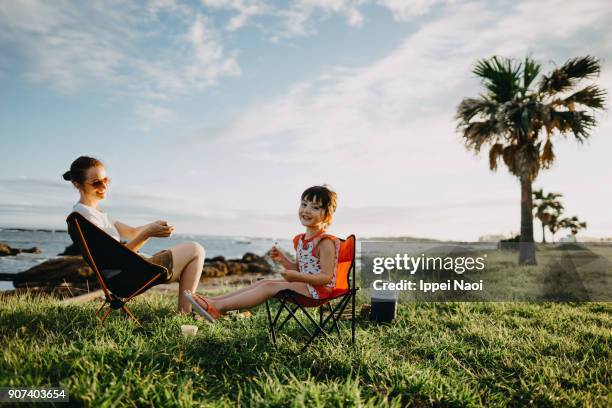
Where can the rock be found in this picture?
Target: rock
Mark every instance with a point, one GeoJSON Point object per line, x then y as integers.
{"type": "Point", "coordinates": [71, 250]}
{"type": "Point", "coordinates": [54, 272]}
{"type": "Point", "coordinates": [258, 268]}
{"type": "Point", "coordinates": [74, 273]}
{"type": "Point", "coordinates": [249, 263]}
{"type": "Point", "coordinates": [6, 250]}
{"type": "Point", "coordinates": [249, 257]}
{"type": "Point", "coordinates": [215, 269]}
{"type": "Point", "coordinates": [236, 268]}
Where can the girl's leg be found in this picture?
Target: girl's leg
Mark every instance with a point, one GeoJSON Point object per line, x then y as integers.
{"type": "Point", "coordinates": [241, 290]}
{"type": "Point", "coordinates": [257, 294]}
{"type": "Point", "coordinates": [187, 262]}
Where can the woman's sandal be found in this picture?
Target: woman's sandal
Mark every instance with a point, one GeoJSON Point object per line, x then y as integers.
{"type": "Point", "coordinates": [208, 311]}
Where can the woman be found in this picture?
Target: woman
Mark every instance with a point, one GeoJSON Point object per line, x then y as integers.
{"type": "Point", "coordinates": [183, 261]}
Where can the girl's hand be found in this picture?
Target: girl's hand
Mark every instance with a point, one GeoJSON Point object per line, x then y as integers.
{"type": "Point", "coordinates": [278, 256]}
{"type": "Point", "coordinates": [290, 276]}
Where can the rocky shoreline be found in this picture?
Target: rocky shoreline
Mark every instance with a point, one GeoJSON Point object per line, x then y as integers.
{"type": "Point", "coordinates": [69, 276]}
{"type": "Point", "coordinates": [6, 250]}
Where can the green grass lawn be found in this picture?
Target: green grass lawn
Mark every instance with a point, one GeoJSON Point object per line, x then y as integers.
{"type": "Point", "coordinates": [444, 354]}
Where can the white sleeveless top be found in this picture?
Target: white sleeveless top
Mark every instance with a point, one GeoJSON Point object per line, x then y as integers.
{"type": "Point", "coordinates": [99, 218]}
{"type": "Point", "coordinates": [307, 262]}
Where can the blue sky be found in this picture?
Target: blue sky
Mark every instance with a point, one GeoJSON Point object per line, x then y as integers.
{"type": "Point", "coordinates": [216, 114]}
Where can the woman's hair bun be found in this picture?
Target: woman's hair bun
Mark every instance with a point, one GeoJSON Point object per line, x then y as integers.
{"type": "Point", "coordinates": [79, 167]}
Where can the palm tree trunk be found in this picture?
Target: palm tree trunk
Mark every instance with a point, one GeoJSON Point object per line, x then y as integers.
{"type": "Point", "coordinates": [543, 233]}
{"type": "Point", "coordinates": [527, 254]}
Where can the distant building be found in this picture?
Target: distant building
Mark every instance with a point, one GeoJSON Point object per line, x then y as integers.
{"type": "Point", "coordinates": [593, 239]}
{"type": "Point", "coordinates": [493, 238]}
{"type": "Point", "coordinates": [568, 238]}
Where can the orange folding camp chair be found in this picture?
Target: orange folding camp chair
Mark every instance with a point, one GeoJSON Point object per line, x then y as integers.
{"type": "Point", "coordinates": [122, 273]}
{"type": "Point", "coordinates": [343, 293]}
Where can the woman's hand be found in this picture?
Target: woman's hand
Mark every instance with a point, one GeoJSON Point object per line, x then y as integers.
{"type": "Point", "coordinates": [159, 229]}
{"type": "Point", "coordinates": [290, 275]}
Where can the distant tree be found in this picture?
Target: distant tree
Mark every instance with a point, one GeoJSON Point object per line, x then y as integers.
{"type": "Point", "coordinates": [518, 118]}
{"type": "Point", "coordinates": [554, 225]}
{"type": "Point", "coordinates": [573, 224]}
{"type": "Point", "coordinates": [545, 206]}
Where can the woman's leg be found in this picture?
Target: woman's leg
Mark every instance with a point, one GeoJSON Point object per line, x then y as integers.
{"type": "Point", "coordinates": [187, 263]}
{"type": "Point", "coordinates": [257, 294]}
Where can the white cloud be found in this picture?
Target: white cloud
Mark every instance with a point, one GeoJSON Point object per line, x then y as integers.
{"type": "Point", "coordinates": [300, 17]}
{"type": "Point", "coordinates": [154, 115]}
{"type": "Point", "coordinates": [119, 44]}
{"type": "Point", "coordinates": [394, 118]}
{"type": "Point", "coordinates": [245, 10]}
{"type": "Point", "coordinates": [209, 52]}
{"type": "Point", "coordinates": [413, 90]}
{"type": "Point", "coordinates": [296, 20]}
{"type": "Point", "coordinates": [405, 10]}
{"type": "Point", "coordinates": [383, 133]}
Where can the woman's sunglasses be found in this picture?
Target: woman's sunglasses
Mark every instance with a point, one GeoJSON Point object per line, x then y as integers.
{"type": "Point", "coordinates": [100, 183]}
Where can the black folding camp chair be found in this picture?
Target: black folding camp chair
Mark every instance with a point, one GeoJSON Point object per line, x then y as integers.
{"type": "Point", "coordinates": [122, 273]}
{"type": "Point", "coordinates": [344, 292]}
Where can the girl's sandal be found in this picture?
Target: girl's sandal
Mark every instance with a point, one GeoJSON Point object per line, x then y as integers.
{"type": "Point", "coordinates": [201, 305]}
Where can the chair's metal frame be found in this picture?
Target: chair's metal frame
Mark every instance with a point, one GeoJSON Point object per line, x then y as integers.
{"type": "Point", "coordinates": [113, 301]}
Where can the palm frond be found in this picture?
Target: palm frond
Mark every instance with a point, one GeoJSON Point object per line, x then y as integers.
{"type": "Point", "coordinates": [531, 69]}
{"type": "Point", "coordinates": [478, 133]}
{"type": "Point", "coordinates": [500, 76]}
{"type": "Point", "coordinates": [590, 96]}
{"type": "Point", "coordinates": [522, 160]}
{"type": "Point", "coordinates": [573, 224]}
{"type": "Point", "coordinates": [496, 151]}
{"type": "Point", "coordinates": [566, 76]}
{"type": "Point", "coordinates": [538, 195]}
{"type": "Point", "coordinates": [548, 156]}
{"type": "Point", "coordinates": [577, 122]}
{"type": "Point", "coordinates": [509, 156]}
{"type": "Point", "coordinates": [469, 108]}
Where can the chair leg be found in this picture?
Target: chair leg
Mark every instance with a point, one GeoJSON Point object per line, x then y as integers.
{"type": "Point", "coordinates": [320, 329]}
{"type": "Point", "coordinates": [271, 324]}
{"type": "Point", "coordinates": [287, 318]}
{"type": "Point", "coordinates": [353, 295]}
{"type": "Point", "coordinates": [331, 311]}
{"type": "Point", "coordinates": [129, 313]}
{"type": "Point", "coordinates": [299, 322]}
{"type": "Point", "coordinates": [101, 307]}
{"type": "Point", "coordinates": [290, 314]}
{"type": "Point", "coordinates": [105, 315]}
{"type": "Point", "coordinates": [321, 314]}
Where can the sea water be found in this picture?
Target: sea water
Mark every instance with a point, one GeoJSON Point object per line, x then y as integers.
{"type": "Point", "coordinates": [51, 243]}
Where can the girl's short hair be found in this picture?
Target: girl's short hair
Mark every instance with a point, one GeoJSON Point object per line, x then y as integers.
{"type": "Point", "coordinates": [326, 197]}
{"type": "Point", "coordinates": [79, 167]}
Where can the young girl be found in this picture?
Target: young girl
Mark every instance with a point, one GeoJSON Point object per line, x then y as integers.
{"type": "Point", "coordinates": [313, 274]}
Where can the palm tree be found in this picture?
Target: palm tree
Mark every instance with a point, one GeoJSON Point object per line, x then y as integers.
{"type": "Point", "coordinates": [517, 119]}
{"type": "Point", "coordinates": [554, 225]}
{"type": "Point", "coordinates": [573, 224]}
{"type": "Point", "coordinates": [545, 206]}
